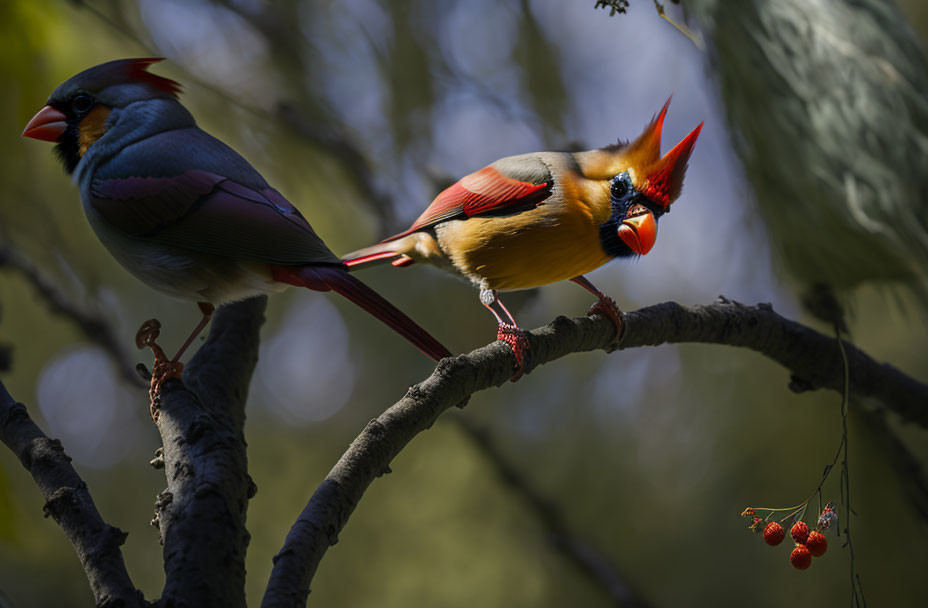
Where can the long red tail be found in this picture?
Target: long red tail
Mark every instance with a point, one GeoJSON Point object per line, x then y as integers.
{"type": "Point", "coordinates": [336, 278]}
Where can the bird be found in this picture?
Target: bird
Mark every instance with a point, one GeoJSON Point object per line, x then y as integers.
{"type": "Point", "coordinates": [182, 211]}
{"type": "Point", "coordinates": [826, 101]}
{"type": "Point", "coordinates": [542, 217]}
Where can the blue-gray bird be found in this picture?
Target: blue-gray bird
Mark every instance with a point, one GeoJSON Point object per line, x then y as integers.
{"type": "Point", "coordinates": [182, 211]}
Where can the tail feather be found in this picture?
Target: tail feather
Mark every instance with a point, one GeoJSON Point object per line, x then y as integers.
{"type": "Point", "coordinates": [374, 253]}
{"type": "Point", "coordinates": [336, 278]}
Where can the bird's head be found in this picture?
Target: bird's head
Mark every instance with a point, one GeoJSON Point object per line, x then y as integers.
{"type": "Point", "coordinates": [75, 115]}
{"type": "Point", "coordinates": [642, 185]}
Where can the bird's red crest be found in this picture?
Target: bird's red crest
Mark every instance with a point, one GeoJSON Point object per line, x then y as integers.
{"type": "Point", "coordinates": [137, 69]}
{"type": "Point", "coordinates": [661, 181]}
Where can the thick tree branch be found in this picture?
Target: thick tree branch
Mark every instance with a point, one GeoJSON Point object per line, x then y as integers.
{"type": "Point", "coordinates": [812, 358]}
{"type": "Point", "coordinates": [68, 501]}
{"type": "Point", "coordinates": [201, 514]}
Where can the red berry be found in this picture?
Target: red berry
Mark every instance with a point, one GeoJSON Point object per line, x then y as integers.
{"type": "Point", "coordinates": [817, 543]}
{"type": "Point", "coordinates": [774, 534]}
{"type": "Point", "coordinates": [800, 558]}
{"type": "Point", "coordinates": [800, 532]}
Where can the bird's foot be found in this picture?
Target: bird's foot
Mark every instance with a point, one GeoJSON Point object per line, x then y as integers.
{"type": "Point", "coordinates": [518, 342]}
{"type": "Point", "coordinates": [162, 369]}
{"type": "Point", "coordinates": [607, 306]}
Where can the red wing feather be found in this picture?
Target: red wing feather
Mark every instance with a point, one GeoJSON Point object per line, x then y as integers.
{"type": "Point", "coordinates": [481, 192]}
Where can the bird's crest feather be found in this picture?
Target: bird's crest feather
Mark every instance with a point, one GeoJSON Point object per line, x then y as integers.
{"type": "Point", "coordinates": [123, 71]}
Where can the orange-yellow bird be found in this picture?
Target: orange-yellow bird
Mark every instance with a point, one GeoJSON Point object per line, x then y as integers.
{"type": "Point", "coordinates": [537, 218]}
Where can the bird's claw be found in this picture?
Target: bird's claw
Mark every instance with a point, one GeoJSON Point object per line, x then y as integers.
{"type": "Point", "coordinates": [162, 371]}
{"type": "Point", "coordinates": [518, 342]}
{"type": "Point", "coordinates": [148, 333]}
{"type": "Point", "coordinates": [162, 368]}
{"type": "Point", "coordinates": [607, 306]}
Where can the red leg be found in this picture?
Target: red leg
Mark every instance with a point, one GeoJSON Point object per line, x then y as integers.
{"type": "Point", "coordinates": [509, 332]}
{"type": "Point", "coordinates": [207, 309]}
{"type": "Point", "coordinates": [605, 305]}
{"type": "Point", "coordinates": [162, 368]}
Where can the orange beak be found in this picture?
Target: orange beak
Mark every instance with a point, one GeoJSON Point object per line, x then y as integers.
{"type": "Point", "coordinates": [47, 125]}
{"type": "Point", "coordinates": [639, 232]}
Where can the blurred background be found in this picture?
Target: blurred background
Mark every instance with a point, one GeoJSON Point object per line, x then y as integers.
{"type": "Point", "coordinates": [359, 111]}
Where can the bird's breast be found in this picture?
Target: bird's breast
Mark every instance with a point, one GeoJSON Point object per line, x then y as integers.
{"type": "Point", "coordinates": [555, 241]}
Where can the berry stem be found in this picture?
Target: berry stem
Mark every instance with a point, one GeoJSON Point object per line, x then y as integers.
{"type": "Point", "coordinates": [856, 600]}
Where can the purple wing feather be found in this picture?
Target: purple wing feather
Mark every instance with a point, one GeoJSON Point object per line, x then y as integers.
{"type": "Point", "coordinates": [138, 205]}
{"type": "Point", "coordinates": [203, 211]}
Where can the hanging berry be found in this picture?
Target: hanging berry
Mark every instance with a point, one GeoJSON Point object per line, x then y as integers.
{"type": "Point", "coordinates": [800, 532]}
{"type": "Point", "coordinates": [774, 534]}
{"type": "Point", "coordinates": [817, 543]}
{"type": "Point", "coordinates": [801, 557]}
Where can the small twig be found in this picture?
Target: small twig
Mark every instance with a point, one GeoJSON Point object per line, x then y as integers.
{"type": "Point", "coordinates": [589, 559]}
{"type": "Point", "coordinates": [805, 352]}
{"type": "Point", "coordinates": [68, 501]}
{"type": "Point", "coordinates": [94, 325]}
{"type": "Point", "coordinates": [845, 468]}
{"type": "Point", "coordinates": [696, 40]}
{"type": "Point", "coordinates": [908, 469]}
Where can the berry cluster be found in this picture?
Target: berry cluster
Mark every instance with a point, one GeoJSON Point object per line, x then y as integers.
{"type": "Point", "coordinates": [809, 544]}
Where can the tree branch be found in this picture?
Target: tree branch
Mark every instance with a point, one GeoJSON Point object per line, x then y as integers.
{"type": "Point", "coordinates": [93, 325]}
{"type": "Point", "coordinates": [812, 358]}
{"type": "Point", "coordinates": [201, 514]}
{"type": "Point", "coordinates": [589, 559]}
{"type": "Point", "coordinates": [69, 502]}
{"type": "Point", "coordinates": [909, 470]}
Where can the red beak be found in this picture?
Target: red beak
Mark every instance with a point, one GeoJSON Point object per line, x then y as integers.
{"type": "Point", "coordinates": [639, 232]}
{"type": "Point", "coordinates": [48, 125]}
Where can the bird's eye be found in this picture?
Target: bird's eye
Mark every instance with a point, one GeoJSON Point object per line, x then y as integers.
{"type": "Point", "coordinates": [82, 103]}
{"type": "Point", "coordinates": [619, 187]}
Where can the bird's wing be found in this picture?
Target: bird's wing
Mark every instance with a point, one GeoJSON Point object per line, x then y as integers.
{"type": "Point", "coordinates": [507, 186]}
{"type": "Point", "coordinates": [206, 212]}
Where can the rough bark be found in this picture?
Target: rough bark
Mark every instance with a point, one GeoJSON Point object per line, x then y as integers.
{"type": "Point", "coordinates": [201, 514]}
{"type": "Point", "coordinates": [69, 503]}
